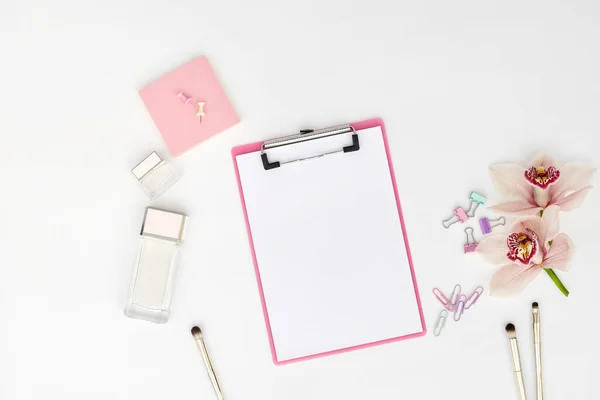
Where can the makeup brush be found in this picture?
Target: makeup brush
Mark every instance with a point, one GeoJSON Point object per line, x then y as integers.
{"type": "Point", "coordinates": [197, 333]}
{"type": "Point", "coordinates": [537, 347]}
{"type": "Point", "coordinates": [514, 349]}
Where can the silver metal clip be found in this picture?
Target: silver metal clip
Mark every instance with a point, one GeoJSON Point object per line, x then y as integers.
{"type": "Point", "coordinates": [305, 136]}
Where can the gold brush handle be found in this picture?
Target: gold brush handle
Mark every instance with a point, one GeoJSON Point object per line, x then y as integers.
{"type": "Point", "coordinates": [514, 347]}
{"type": "Point", "coordinates": [538, 370]}
{"type": "Point", "coordinates": [209, 368]}
{"type": "Point", "coordinates": [537, 347]}
{"type": "Point", "coordinates": [521, 385]}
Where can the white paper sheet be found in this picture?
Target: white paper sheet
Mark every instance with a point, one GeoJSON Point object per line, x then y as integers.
{"type": "Point", "coordinates": [329, 246]}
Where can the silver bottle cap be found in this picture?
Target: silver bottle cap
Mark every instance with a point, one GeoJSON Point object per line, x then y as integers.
{"type": "Point", "coordinates": [163, 224]}
{"type": "Point", "coordinates": [146, 165]}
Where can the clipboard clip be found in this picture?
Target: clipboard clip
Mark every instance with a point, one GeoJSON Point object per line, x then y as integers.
{"type": "Point", "coordinates": [305, 136]}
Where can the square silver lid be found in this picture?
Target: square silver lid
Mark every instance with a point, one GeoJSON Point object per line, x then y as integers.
{"type": "Point", "coordinates": [146, 165]}
{"type": "Point", "coordinates": [163, 224]}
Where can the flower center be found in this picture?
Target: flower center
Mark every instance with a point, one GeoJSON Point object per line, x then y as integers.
{"type": "Point", "coordinates": [542, 177]}
{"type": "Point", "coordinates": [522, 246]}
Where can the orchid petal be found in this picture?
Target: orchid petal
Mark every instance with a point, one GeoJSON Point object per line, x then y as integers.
{"type": "Point", "coordinates": [512, 279]}
{"type": "Point", "coordinates": [560, 253]}
{"type": "Point", "coordinates": [549, 226]}
{"type": "Point", "coordinates": [493, 248]}
{"type": "Point", "coordinates": [539, 255]}
{"type": "Point", "coordinates": [543, 160]}
{"type": "Point", "coordinates": [523, 224]}
{"type": "Point", "coordinates": [573, 200]}
{"type": "Point", "coordinates": [510, 180]}
{"type": "Point", "coordinates": [573, 176]}
{"type": "Point", "coordinates": [542, 197]}
{"type": "Point", "coordinates": [518, 207]}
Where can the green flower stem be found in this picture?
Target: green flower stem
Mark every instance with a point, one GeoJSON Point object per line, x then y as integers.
{"type": "Point", "coordinates": [552, 274]}
{"type": "Point", "coordinates": [557, 281]}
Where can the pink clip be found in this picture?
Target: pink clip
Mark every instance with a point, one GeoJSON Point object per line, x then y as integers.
{"type": "Point", "coordinates": [473, 297]}
{"type": "Point", "coordinates": [470, 248]}
{"type": "Point", "coordinates": [443, 299]}
{"type": "Point", "coordinates": [460, 307]}
{"type": "Point", "coordinates": [455, 294]}
{"type": "Point", "coordinates": [471, 244]}
{"type": "Point", "coordinates": [459, 215]}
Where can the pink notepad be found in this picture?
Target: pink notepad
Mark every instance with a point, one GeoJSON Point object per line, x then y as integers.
{"type": "Point", "coordinates": [177, 122]}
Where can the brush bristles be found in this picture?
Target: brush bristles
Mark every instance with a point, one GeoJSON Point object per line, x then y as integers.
{"type": "Point", "coordinates": [197, 332]}
{"type": "Point", "coordinates": [534, 306]}
{"type": "Point", "coordinates": [510, 329]}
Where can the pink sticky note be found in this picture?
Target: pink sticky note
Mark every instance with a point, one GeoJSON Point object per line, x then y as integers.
{"type": "Point", "coordinates": [177, 122]}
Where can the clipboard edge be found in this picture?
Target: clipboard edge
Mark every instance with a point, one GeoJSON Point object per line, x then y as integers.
{"type": "Point", "coordinates": [236, 151]}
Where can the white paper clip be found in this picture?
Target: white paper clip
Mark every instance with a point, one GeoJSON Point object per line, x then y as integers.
{"type": "Point", "coordinates": [460, 307]}
{"type": "Point", "coordinates": [454, 295]}
{"type": "Point", "coordinates": [474, 297]}
{"type": "Point", "coordinates": [443, 299]}
{"type": "Point", "coordinates": [441, 321]}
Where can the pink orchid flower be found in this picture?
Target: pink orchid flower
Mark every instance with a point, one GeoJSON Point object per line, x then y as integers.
{"type": "Point", "coordinates": [526, 252]}
{"type": "Point", "coordinates": [540, 185]}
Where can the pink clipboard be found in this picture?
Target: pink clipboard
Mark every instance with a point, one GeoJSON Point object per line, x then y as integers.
{"type": "Point", "coordinates": [254, 147]}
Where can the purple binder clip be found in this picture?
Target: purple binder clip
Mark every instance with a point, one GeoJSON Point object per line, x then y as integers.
{"type": "Point", "coordinates": [487, 224]}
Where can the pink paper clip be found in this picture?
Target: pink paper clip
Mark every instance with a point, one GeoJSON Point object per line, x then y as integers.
{"type": "Point", "coordinates": [443, 299]}
{"type": "Point", "coordinates": [474, 297]}
{"type": "Point", "coordinates": [460, 307]}
{"type": "Point", "coordinates": [471, 244]}
{"type": "Point", "coordinates": [459, 215]}
{"type": "Point", "coordinates": [455, 294]}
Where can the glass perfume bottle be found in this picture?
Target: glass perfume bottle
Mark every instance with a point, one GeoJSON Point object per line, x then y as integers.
{"type": "Point", "coordinates": [155, 175]}
{"type": "Point", "coordinates": [152, 284]}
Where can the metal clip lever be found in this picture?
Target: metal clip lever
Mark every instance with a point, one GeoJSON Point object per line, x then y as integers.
{"type": "Point", "coordinates": [304, 136]}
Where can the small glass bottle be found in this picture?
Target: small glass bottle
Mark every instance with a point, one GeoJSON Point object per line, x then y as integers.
{"type": "Point", "coordinates": [155, 175]}
{"type": "Point", "coordinates": [152, 284]}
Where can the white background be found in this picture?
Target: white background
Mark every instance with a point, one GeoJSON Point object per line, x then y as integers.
{"type": "Point", "coordinates": [460, 84]}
